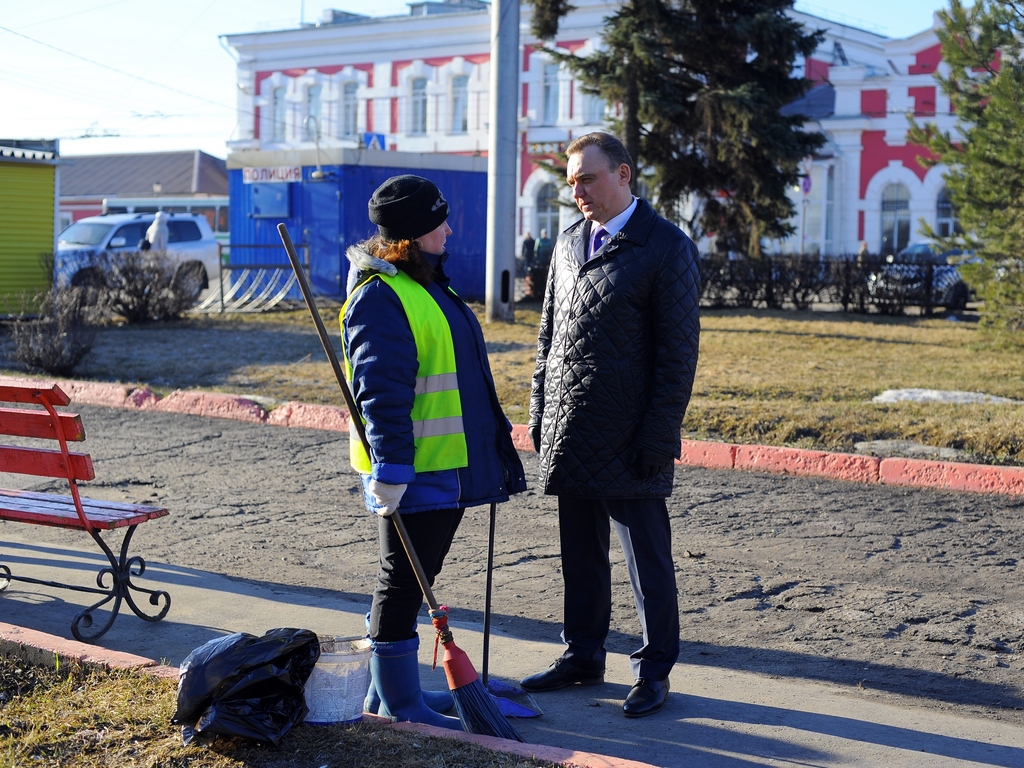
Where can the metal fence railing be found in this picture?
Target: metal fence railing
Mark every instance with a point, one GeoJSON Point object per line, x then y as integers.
{"type": "Point", "coordinates": [252, 287]}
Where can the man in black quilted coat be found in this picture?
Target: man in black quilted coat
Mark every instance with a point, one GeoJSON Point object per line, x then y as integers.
{"type": "Point", "coordinates": [616, 357]}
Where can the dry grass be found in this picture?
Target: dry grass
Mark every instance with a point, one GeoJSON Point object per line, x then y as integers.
{"type": "Point", "coordinates": [774, 377]}
{"type": "Point", "coordinates": [807, 380]}
{"type": "Point", "coordinates": [100, 719]}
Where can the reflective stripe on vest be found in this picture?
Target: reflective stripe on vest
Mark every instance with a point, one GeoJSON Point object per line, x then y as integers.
{"type": "Point", "coordinates": [437, 429]}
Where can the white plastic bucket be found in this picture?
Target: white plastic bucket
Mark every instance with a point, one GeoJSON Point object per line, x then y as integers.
{"type": "Point", "coordinates": [337, 686]}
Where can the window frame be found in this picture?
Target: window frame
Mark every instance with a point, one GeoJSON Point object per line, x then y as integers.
{"type": "Point", "coordinates": [551, 93]}
{"type": "Point", "coordinates": [460, 104]}
{"type": "Point", "coordinates": [418, 106]}
{"type": "Point", "coordinates": [349, 110]}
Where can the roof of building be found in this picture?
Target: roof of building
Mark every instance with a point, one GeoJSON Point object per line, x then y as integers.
{"type": "Point", "coordinates": [817, 104]}
{"type": "Point", "coordinates": [191, 172]}
{"type": "Point", "coordinates": [28, 149]}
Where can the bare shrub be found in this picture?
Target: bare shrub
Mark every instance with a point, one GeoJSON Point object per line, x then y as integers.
{"type": "Point", "coordinates": [714, 280]}
{"type": "Point", "coordinates": [57, 339]}
{"type": "Point", "coordinates": [751, 282]}
{"type": "Point", "coordinates": [141, 286]}
{"type": "Point", "coordinates": [803, 279]}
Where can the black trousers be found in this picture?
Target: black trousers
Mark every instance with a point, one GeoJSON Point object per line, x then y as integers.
{"type": "Point", "coordinates": [645, 534]}
{"type": "Point", "coordinates": [398, 597]}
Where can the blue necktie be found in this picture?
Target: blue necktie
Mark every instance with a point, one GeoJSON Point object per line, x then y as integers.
{"type": "Point", "coordinates": [600, 234]}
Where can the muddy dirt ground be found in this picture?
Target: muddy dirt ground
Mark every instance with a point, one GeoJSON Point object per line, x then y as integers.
{"type": "Point", "coordinates": [893, 590]}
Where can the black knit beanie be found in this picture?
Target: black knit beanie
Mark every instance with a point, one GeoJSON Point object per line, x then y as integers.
{"type": "Point", "coordinates": [406, 207]}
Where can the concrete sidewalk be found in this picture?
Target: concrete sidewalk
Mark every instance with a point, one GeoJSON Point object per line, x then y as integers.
{"type": "Point", "coordinates": [715, 717]}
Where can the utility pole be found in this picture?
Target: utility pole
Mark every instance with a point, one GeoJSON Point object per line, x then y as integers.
{"type": "Point", "coordinates": [501, 162]}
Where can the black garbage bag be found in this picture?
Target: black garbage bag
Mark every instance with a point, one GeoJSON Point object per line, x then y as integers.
{"type": "Point", "coordinates": [243, 685]}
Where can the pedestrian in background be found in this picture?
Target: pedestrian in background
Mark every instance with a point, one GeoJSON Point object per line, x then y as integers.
{"type": "Point", "coordinates": [617, 354]}
{"type": "Point", "coordinates": [544, 248]}
{"type": "Point", "coordinates": [158, 233]}
{"type": "Point", "coordinates": [527, 251]}
{"type": "Point", "coordinates": [439, 442]}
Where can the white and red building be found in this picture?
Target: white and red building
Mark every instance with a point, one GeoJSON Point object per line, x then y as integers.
{"type": "Point", "coordinates": [420, 83]}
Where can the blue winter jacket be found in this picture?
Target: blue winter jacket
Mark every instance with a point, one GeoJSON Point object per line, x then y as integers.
{"type": "Point", "coordinates": [380, 346]}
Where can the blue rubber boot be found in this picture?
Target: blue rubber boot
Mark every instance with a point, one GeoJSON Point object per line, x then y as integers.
{"type": "Point", "coordinates": [394, 668]}
{"type": "Point", "coordinates": [439, 701]}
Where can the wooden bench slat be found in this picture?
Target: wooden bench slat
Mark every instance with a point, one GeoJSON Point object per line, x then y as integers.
{"type": "Point", "coordinates": [42, 462]}
{"type": "Point", "coordinates": [22, 422]}
{"type": "Point", "coordinates": [56, 510]}
{"type": "Point", "coordinates": [29, 391]}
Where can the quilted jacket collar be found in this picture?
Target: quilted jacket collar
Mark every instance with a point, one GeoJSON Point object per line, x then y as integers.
{"type": "Point", "coordinates": [636, 231]}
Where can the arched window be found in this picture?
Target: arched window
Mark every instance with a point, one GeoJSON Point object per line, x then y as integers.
{"type": "Point", "coordinates": [895, 219]}
{"type": "Point", "coordinates": [548, 210]}
{"type": "Point", "coordinates": [460, 104]}
{"type": "Point", "coordinates": [946, 221]}
{"type": "Point", "coordinates": [418, 113]}
{"type": "Point", "coordinates": [349, 107]}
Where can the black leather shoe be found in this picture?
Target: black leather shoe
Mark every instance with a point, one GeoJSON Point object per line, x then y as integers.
{"type": "Point", "coordinates": [562, 674]}
{"type": "Point", "coordinates": [645, 697]}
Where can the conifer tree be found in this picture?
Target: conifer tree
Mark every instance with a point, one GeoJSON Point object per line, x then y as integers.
{"type": "Point", "coordinates": [698, 85]}
{"type": "Point", "coordinates": [982, 46]}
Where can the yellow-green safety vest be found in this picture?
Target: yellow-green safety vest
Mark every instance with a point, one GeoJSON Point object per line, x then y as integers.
{"type": "Point", "coordinates": [437, 428]}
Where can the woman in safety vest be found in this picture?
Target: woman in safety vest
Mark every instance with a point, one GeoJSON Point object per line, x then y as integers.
{"type": "Point", "coordinates": [439, 441]}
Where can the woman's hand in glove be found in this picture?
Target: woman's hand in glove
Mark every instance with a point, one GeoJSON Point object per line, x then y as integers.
{"type": "Point", "coordinates": [386, 497]}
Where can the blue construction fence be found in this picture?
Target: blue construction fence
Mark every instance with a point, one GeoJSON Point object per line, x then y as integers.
{"type": "Point", "coordinates": [325, 212]}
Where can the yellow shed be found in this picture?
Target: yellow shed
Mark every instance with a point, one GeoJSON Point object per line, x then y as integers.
{"type": "Point", "coordinates": [29, 189]}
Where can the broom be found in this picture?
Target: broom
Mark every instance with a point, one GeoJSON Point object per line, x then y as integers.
{"type": "Point", "coordinates": [477, 711]}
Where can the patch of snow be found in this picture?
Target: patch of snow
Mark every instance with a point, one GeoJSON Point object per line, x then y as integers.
{"type": "Point", "coordinates": [939, 396]}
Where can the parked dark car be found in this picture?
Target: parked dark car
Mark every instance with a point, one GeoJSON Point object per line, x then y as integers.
{"type": "Point", "coordinates": [921, 275]}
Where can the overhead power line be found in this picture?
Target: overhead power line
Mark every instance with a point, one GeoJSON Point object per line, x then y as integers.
{"type": "Point", "coordinates": [114, 69]}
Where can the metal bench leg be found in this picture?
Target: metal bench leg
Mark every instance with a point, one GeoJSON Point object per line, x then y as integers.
{"type": "Point", "coordinates": [121, 571]}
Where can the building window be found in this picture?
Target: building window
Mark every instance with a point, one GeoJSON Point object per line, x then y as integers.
{"type": "Point", "coordinates": [460, 104]}
{"type": "Point", "coordinates": [946, 221]}
{"type": "Point", "coordinates": [279, 112]}
{"type": "Point", "coordinates": [349, 109]}
{"type": "Point", "coordinates": [313, 112]}
{"type": "Point", "coordinates": [552, 93]}
{"type": "Point", "coordinates": [595, 109]}
{"type": "Point", "coordinates": [895, 219]}
{"type": "Point", "coordinates": [418, 122]}
{"type": "Point", "coordinates": [548, 210]}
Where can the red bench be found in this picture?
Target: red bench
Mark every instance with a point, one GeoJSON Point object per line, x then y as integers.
{"type": "Point", "coordinates": [114, 583]}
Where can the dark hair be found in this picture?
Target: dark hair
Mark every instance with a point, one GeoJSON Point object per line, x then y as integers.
{"type": "Point", "coordinates": [404, 254]}
{"type": "Point", "coordinates": [613, 150]}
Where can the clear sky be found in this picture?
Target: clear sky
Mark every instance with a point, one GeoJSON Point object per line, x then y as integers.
{"type": "Point", "coordinates": [110, 76]}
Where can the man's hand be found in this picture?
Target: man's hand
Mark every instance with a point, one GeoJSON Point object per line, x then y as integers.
{"type": "Point", "coordinates": [649, 466]}
{"type": "Point", "coordinates": [535, 437]}
{"type": "Point", "coordinates": [386, 497]}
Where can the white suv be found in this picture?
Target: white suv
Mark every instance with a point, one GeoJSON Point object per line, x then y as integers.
{"type": "Point", "coordinates": [190, 243]}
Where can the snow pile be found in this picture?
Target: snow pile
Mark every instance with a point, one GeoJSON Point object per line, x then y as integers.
{"type": "Point", "coordinates": [939, 396]}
